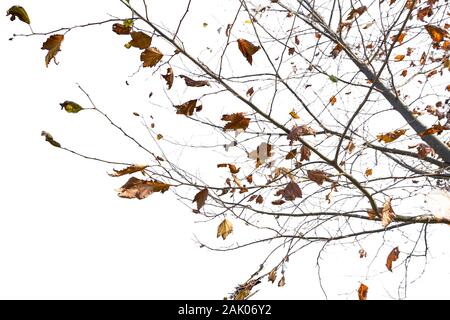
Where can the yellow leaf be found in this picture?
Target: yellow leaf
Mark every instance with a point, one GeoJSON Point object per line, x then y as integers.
{"type": "Point", "coordinates": [18, 12]}
{"type": "Point", "coordinates": [391, 136]}
{"type": "Point", "coordinates": [294, 115]}
{"type": "Point", "coordinates": [224, 229]}
{"type": "Point", "coordinates": [151, 56]}
{"type": "Point", "coordinates": [399, 57]}
{"type": "Point", "coordinates": [368, 172]}
{"type": "Point", "coordinates": [53, 45]}
{"type": "Point", "coordinates": [49, 139]}
{"type": "Point", "coordinates": [159, 136]}
{"type": "Point", "coordinates": [71, 107]}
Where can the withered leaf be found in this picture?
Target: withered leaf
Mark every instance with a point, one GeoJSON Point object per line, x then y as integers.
{"type": "Point", "coordinates": [424, 12]}
{"type": "Point", "coordinates": [278, 202]}
{"type": "Point", "coordinates": [362, 253]}
{"type": "Point", "coordinates": [259, 199]}
{"type": "Point", "coordinates": [436, 33]}
{"type": "Point", "coordinates": [236, 121]}
{"type": "Point", "coordinates": [393, 256]}
{"type": "Point", "coordinates": [169, 78]}
{"type": "Point", "coordinates": [291, 192]}
{"type": "Point", "coordinates": [368, 172]}
{"type": "Point", "coordinates": [350, 147]}
{"type": "Point", "coordinates": [318, 176]}
{"type": "Point", "coordinates": [139, 40]}
{"type": "Point", "coordinates": [356, 12]}
{"type": "Point", "coordinates": [299, 131]}
{"type": "Point", "coordinates": [121, 29]}
{"type": "Point", "coordinates": [187, 108]}
{"type": "Point", "coordinates": [336, 50]}
{"type": "Point", "coordinates": [71, 107]}
{"type": "Point", "coordinates": [49, 139]}
{"type": "Point", "coordinates": [391, 136]}
{"type": "Point", "coordinates": [250, 92]}
{"type": "Point", "coordinates": [333, 100]}
{"type": "Point", "coordinates": [18, 12]}
{"type": "Point", "coordinates": [387, 213]}
{"type": "Point", "coordinates": [262, 153]}
{"type": "Point", "coordinates": [305, 153]}
{"type": "Point", "coordinates": [291, 154]}
{"type": "Point", "coordinates": [282, 281]}
{"type": "Point", "coordinates": [248, 49]}
{"type": "Point", "coordinates": [362, 292]}
{"type": "Point", "coordinates": [53, 45]}
{"type": "Point", "coordinates": [224, 229]}
{"type": "Point", "coordinates": [436, 128]}
{"type": "Point", "coordinates": [272, 275]}
{"type": "Point", "coordinates": [141, 189]}
{"type": "Point", "coordinates": [128, 170]}
{"type": "Point", "coordinates": [151, 56]}
{"type": "Point", "coordinates": [201, 198]}
{"type": "Point", "coordinates": [194, 83]}
{"type": "Point", "coordinates": [399, 57]}
{"type": "Point", "coordinates": [233, 169]}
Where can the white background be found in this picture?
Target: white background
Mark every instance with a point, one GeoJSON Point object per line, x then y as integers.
{"type": "Point", "coordinates": [64, 233]}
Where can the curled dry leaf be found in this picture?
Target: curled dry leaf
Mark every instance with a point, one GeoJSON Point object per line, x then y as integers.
{"type": "Point", "coordinates": [362, 292]}
{"type": "Point", "coordinates": [387, 213]}
{"type": "Point", "coordinates": [350, 147]}
{"type": "Point", "coordinates": [291, 154]}
{"type": "Point", "coordinates": [299, 131]}
{"type": "Point", "coordinates": [391, 136]}
{"type": "Point", "coordinates": [71, 107]}
{"type": "Point", "coordinates": [201, 198]}
{"type": "Point", "coordinates": [436, 33]}
{"type": "Point", "coordinates": [139, 40]}
{"type": "Point", "coordinates": [318, 176]}
{"type": "Point", "coordinates": [53, 45]}
{"type": "Point", "coordinates": [250, 92]}
{"type": "Point", "coordinates": [121, 29]}
{"type": "Point", "coordinates": [436, 128]}
{"type": "Point", "coordinates": [224, 229]}
{"type": "Point", "coordinates": [233, 169]}
{"type": "Point", "coordinates": [194, 83]}
{"type": "Point", "coordinates": [399, 57]}
{"type": "Point", "coordinates": [272, 275]}
{"type": "Point", "coordinates": [151, 56]}
{"type": "Point", "coordinates": [140, 189]}
{"type": "Point", "coordinates": [236, 121]}
{"type": "Point", "coordinates": [333, 100]}
{"type": "Point", "coordinates": [282, 281]}
{"type": "Point", "coordinates": [278, 202]}
{"type": "Point", "coordinates": [291, 192]}
{"type": "Point", "coordinates": [393, 256]}
{"type": "Point", "coordinates": [305, 153]}
{"type": "Point", "coordinates": [424, 12]}
{"type": "Point", "coordinates": [294, 115]}
{"type": "Point", "coordinates": [362, 253]}
{"type": "Point", "coordinates": [248, 49]}
{"type": "Point", "coordinates": [128, 170]}
{"type": "Point", "coordinates": [18, 12]}
{"type": "Point", "coordinates": [169, 78]}
{"type": "Point", "coordinates": [187, 108]}
{"type": "Point", "coordinates": [49, 139]}
{"type": "Point", "coordinates": [356, 12]}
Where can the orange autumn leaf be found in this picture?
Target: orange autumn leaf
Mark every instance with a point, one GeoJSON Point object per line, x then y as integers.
{"type": "Point", "coordinates": [233, 169]}
{"type": "Point", "coordinates": [169, 78]}
{"type": "Point", "coordinates": [368, 172]}
{"type": "Point", "coordinates": [294, 115]}
{"type": "Point", "coordinates": [362, 292]}
{"type": "Point", "coordinates": [437, 34]}
{"type": "Point", "coordinates": [393, 256]}
{"type": "Point", "coordinates": [248, 49]}
{"type": "Point", "coordinates": [399, 37]}
{"type": "Point", "coordinates": [399, 57]}
{"type": "Point", "coordinates": [128, 170]}
{"type": "Point", "coordinates": [53, 45]}
{"type": "Point", "coordinates": [236, 121]}
{"type": "Point", "coordinates": [448, 87]}
{"type": "Point", "coordinates": [187, 108]}
{"type": "Point", "coordinates": [436, 128]}
{"type": "Point", "coordinates": [391, 136]}
{"type": "Point", "coordinates": [387, 213]}
{"type": "Point", "coordinates": [139, 40]}
{"type": "Point", "coordinates": [356, 12]}
{"type": "Point", "coordinates": [150, 57]}
{"type": "Point", "coordinates": [333, 100]}
{"type": "Point", "coordinates": [272, 275]}
{"type": "Point", "coordinates": [121, 29]}
{"type": "Point", "coordinates": [139, 189]}
{"type": "Point", "coordinates": [404, 73]}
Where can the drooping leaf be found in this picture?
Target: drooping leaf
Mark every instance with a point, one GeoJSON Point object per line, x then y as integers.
{"type": "Point", "coordinates": [224, 229]}
{"type": "Point", "coordinates": [53, 45]}
{"type": "Point", "coordinates": [436, 128]}
{"type": "Point", "coordinates": [18, 12]}
{"type": "Point", "coordinates": [187, 108]}
{"type": "Point", "coordinates": [140, 189]}
{"type": "Point", "coordinates": [201, 198]}
{"type": "Point", "coordinates": [291, 192]}
{"type": "Point", "coordinates": [71, 107]}
{"type": "Point", "coordinates": [49, 139]}
{"type": "Point", "coordinates": [305, 153]}
{"type": "Point", "coordinates": [393, 256]}
{"type": "Point", "coordinates": [362, 292]}
{"type": "Point", "coordinates": [194, 83]}
{"type": "Point", "coordinates": [362, 253]}
{"type": "Point", "coordinates": [391, 136]}
{"type": "Point", "coordinates": [282, 282]}
{"type": "Point", "coordinates": [294, 115]}
{"type": "Point", "coordinates": [151, 56]}
{"type": "Point", "coordinates": [387, 213]}
{"type": "Point", "coordinates": [291, 154]}
{"type": "Point", "coordinates": [121, 29]}
{"type": "Point", "coordinates": [318, 176]}
{"type": "Point", "coordinates": [250, 92]}
{"type": "Point", "coordinates": [139, 40]}
{"type": "Point", "coordinates": [272, 275]}
{"type": "Point", "coordinates": [128, 170]}
{"type": "Point", "coordinates": [236, 121]}
{"type": "Point", "coordinates": [248, 49]}
{"type": "Point", "coordinates": [436, 33]}
{"type": "Point", "coordinates": [169, 78]}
